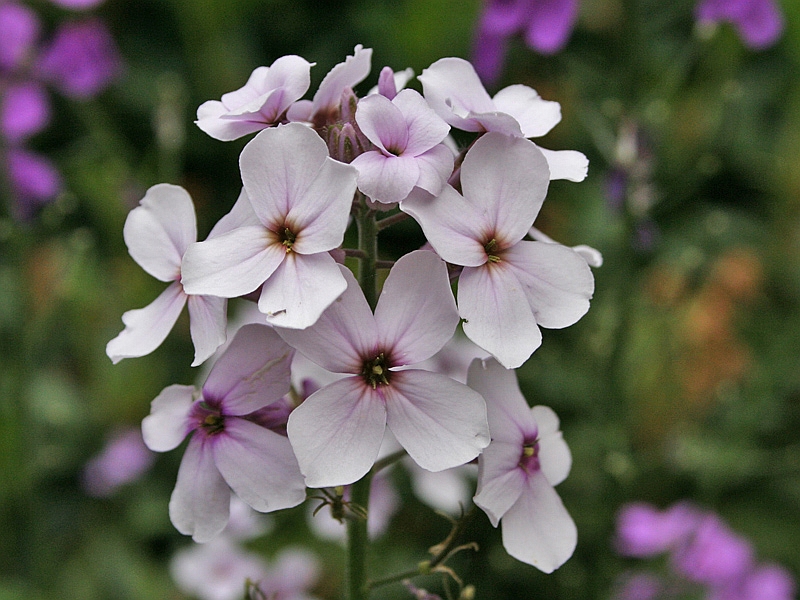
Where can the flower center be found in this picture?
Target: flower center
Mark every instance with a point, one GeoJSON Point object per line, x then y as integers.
{"type": "Point", "coordinates": [529, 459]}
{"type": "Point", "coordinates": [287, 238]}
{"type": "Point", "coordinates": [376, 371]}
{"type": "Point", "coordinates": [491, 247]}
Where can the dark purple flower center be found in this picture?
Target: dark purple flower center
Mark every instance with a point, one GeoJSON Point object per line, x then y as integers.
{"type": "Point", "coordinates": [529, 458]}
{"type": "Point", "coordinates": [376, 371]}
{"type": "Point", "coordinates": [208, 418]}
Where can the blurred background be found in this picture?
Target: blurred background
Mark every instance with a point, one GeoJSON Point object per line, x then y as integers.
{"type": "Point", "coordinates": [681, 384]}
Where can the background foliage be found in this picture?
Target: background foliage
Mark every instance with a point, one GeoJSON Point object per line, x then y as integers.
{"type": "Point", "coordinates": [682, 382]}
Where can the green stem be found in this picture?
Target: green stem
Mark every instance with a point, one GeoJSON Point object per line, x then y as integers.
{"type": "Point", "coordinates": [368, 244]}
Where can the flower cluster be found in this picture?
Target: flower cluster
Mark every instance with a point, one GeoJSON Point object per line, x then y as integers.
{"type": "Point", "coordinates": [313, 167]}
{"type": "Point", "coordinates": [79, 61]}
{"type": "Point", "coordinates": [704, 552]}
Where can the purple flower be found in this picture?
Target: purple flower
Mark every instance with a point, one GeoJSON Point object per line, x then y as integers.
{"type": "Point", "coordinates": [33, 179]}
{"type": "Point", "coordinates": [643, 530]}
{"type": "Point", "coordinates": [124, 459]}
{"type": "Point", "coordinates": [297, 201]}
{"type": "Point", "coordinates": [228, 450]}
{"type": "Point", "coordinates": [20, 26]}
{"type": "Point", "coordinates": [336, 432]}
{"type": "Point", "coordinates": [509, 287]}
{"type": "Point", "coordinates": [545, 25]}
{"type": "Point", "coordinates": [77, 4]}
{"type": "Point", "coordinates": [758, 22]}
{"type": "Point", "coordinates": [81, 60]}
{"type": "Point", "coordinates": [517, 471]}
{"type": "Point", "coordinates": [24, 111]}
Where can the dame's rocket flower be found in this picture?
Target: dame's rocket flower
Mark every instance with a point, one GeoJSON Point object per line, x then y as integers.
{"type": "Point", "coordinates": [455, 92]}
{"type": "Point", "coordinates": [301, 200]}
{"type": "Point", "coordinates": [337, 431]}
{"type": "Point", "coordinates": [508, 287]}
{"type": "Point", "coordinates": [228, 448]}
{"type": "Point", "coordinates": [262, 102]}
{"type": "Point", "coordinates": [157, 233]}
{"type": "Point", "coordinates": [517, 472]}
{"type": "Point", "coordinates": [407, 135]}
{"type": "Point", "coordinates": [758, 22]}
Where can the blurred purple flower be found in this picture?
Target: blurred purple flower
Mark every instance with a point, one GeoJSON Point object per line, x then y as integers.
{"type": "Point", "coordinates": [33, 179]}
{"type": "Point", "coordinates": [544, 24]}
{"type": "Point", "coordinates": [123, 460]}
{"type": "Point", "coordinates": [20, 27]}
{"type": "Point", "coordinates": [81, 60]}
{"type": "Point", "coordinates": [24, 111]}
{"type": "Point", "coordinates": [639, 586]}
{"type": "Point", "coordinates": [77, 4]}
{"type": "Point", "coordinates": [758, 22]}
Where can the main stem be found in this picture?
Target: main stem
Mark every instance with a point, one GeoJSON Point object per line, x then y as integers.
{"type": "Point", "coordinates": [359, 491]}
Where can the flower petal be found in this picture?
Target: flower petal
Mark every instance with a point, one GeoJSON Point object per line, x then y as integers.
{"type": "Point", "coordinates": [232, 264]}
{"type": "Point", "coordinates": [343, 335]}
{"type": "Point", "coordinates": [566, 164]}
{"type": "Point", "coordinates": [500, 479]}
{"type": "Point", "coordinates": [210, 120]}
{"type": "Point", "coordinates": [508, 178]}
{"type": "Point", "coordinates": [200, 502]}
{"type": "Point", "coordinates": [240, 215]}
{"type": "Point", "coordinates": [453, 89]}
{"type": "Point", "coordinates": [424, 127]}
{"type": "Point", "coordinates": [146, 328]}
{"type": "Point", "coordinates": [254, 371]}
{"type": "Point", "coordinates": [300, 289]}
{"type": "Point", "coordinates": [352, 71]}
{"type": "Point", "coordinates": [383, 123]}
{"type": "Point", "coordinates": [555, 458]}
{"type": "Point", "coordinates": [535, 115]}
{"type": "Point", "coordinates": [167, 424]}
{"type": "Point", "coordinates": [538, 529]}
{"type": "Point", "coordinates": [439, 421]}
{"type": "Point", "coordinates": [416, 312]}
{"type": "Point", "coordinates": [435, 166]}
{"type": "Point", "coordinates": [386, 178]}
{"type": "Point", "coordinates": [207, 324]}
{"type": "Point", "coordinates": [556, 280]}
{"type": "Point", "coordinates": [497, 315]}
{"type": "Point", "coordinates": [158, 231]}
{"type": "Point", "coordinates": [336, 432]}
{"type": "Point", "coordinates": [258, 464]}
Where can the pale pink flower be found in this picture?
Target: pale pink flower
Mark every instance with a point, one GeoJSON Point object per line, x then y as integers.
{"type": "Point", "coordinates": [336, 432]}
{"type": "Point", "coordinates": [262, 102]}
{"type": "Point", "coordinates": [508, 287]}
{"type": "Point", "coordinates": [157, 233]}
{"type": "Point", "coordinates": [229, 449]}
{"type": "Point", "coordinates": [517, 472]}
{"type": "Point", "coordinates": [407, 136]}
{"type": "Point", "coordinates": [455, 92]}
{"type": "Point", "coordinates": [325, 103]}
{"type": "Point", "coordinates": [296, 210]}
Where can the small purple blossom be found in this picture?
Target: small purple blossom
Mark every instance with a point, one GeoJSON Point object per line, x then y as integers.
{"type": "Point", "coordinates": [34, 180]}
{"type": "Point", "coordinates": [123, 460]}
{"type": "Point", "coordinates": [758, 22]}
{"type": "Point", "coordinates": [24, 111]}
{"type": "Point", "coordinates": [20, 26]}
{"type": "Point", "coordinates": [643, 530]}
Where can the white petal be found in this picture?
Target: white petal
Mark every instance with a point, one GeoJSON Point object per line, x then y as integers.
{"type": "Point", "coordinates": [500, 479]}
{"type": "Point", "coordinates": [300, 289]}
{"type": "Point", "coordinates": [158, 231]}
{"type": "Point", "coordinates": [232, 264]}
{"type": "Point", "coordinates": [416, 312]}
{"type": "Point", "coordinates": [453, 89]}
{"type": "Point", "coordinates": [452, 226]}
{"type": "Point", "coordinates": [566, 164]}
{"type": "Point", "coordinates": [425, 128]}
{"type": "Point", "coordinates": [352, 71]}
{"type": "Point", "coordinates": [535, 116]}
{"type": "Point", "coordinates": [239, 216]}
{"type": "Point", "coordinates": [343, 335]}
{"type": "Point", "coordinates": [538, 529]}
{"type": "Point", "coordinates": [383, 123]}
{"type": "Point", "coordinates": [497, 315]}
{"type": "Point", "coordinates": [555, 457]}
{"type": "Point", "coordinates": [253, 371]}
{"type": "Point", "coordinates": [200, 502]}
{"type": "Point", "coordinates": [439, 421]}
{"type": "Point", "coordinates": [258, 464]}
{"type": "Point", "coordinates": [510, 418]}
{"type": "Point", "coordinates": [556, 280]}
{"type": "Point", "coordinates": [210, 121]}
{"type": "Point", "coordinates": [384, 178]}
{"type": "Point", "coordinates": [146, 328]}
{"type": "Point", "coordinates": [508, 178]}
{"type": "Point", "coordinates": [167, 424]}
{"type": "Point", "coordinates": [435, 166]}
{"type": "Point", "coordinates": [207, 324]}
{"type": "Point", "coordinates": [336, 432]}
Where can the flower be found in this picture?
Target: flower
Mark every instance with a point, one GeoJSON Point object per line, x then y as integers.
{"type": "Point", "coordinates": [299, 201]}
{"type": "Point", "coordinates": [546, 26]}
{"type": "Point", "coordinates": [157, 234]}
{"type": "Point", "coordinates": [452, 88]}
{"type": "Point", "coordinates": [508, 287]}
{"type": "Point", "coordinates": [33, 178]}
{"type": "Point", "coordinates": [337, 431]}
{"type": "Point", "coordinates": [228, 447]}
{"type": "Point", "coordinates": [407, 135]}
{"type": "Point", "coordinates": [123, 460]}
{"type": "Point", "coordinates": [24, 111]}
{"type": "Point", "coordinates": [643, 530]}
{"type": "Point", "coordinates": [517, 471]}
{"type": "Point", "coordinates": [20, 26]}
{"type": "Point", "coordinates": [262, 102]}
{"type": "Point", "coordinates": [758, 22]}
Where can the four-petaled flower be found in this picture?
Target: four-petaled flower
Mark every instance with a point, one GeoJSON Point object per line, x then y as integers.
{"type": "Point", "coordinates": [517, 472]}
{"type": "Point", "coordinates": [299, 203]}
{"type": "Point", "coordinates": [229, 448]}
{"type": "Point", "coordinates": [508, 287]}
{"type": "Point", "coordinates": [337, 431]}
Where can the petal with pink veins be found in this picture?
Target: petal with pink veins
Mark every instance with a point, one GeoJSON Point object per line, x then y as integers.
{"type": "Point", "coordinates": [425, 128]}
{"type": "Point", "coordinates": [500, 480]}
{"type": "Point", "coordinates": [383, 123]}
{"type": "Point", "coordinates": [435, 166]}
